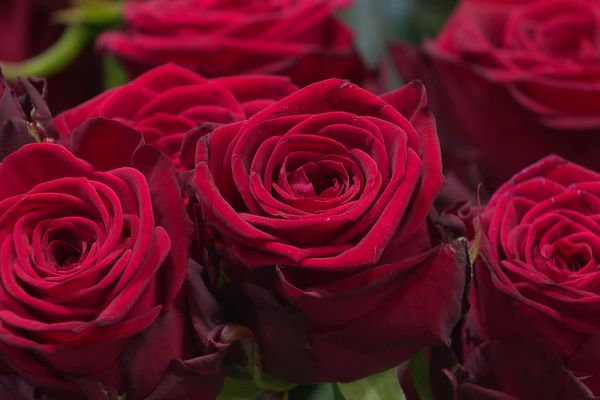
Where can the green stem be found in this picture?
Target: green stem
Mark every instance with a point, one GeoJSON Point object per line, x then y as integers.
{"type": "Point", "coordinates": [101, 14]}
{"type": "Point", "coordinates": [72, 42]}
{"type": "Point", "coordinates": [419, 370]}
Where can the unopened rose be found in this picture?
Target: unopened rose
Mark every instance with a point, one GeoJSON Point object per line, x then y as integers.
{"type": "Point", "coordinates": [24, 118]}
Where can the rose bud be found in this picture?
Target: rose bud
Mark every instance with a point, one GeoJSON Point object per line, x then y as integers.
{"type": "Point", "coordinates": [536, 277]}
{"type": "Point", "coordinates": [300, 39]}
{"type": "Point", "coordinates": [512, 82]}
{"type": "Point", "coordinates": [93, 252]}
{"type": "Point", "coordinates": [26, 118]}
{"type": "Point", "coordinates": [316, 213]}
{"type": "Point", "coordinates": [165, 103]}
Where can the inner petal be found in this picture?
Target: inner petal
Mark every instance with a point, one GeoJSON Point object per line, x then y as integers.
{"type": "Point", "coordinates": [66, 251]}
{"type": "Point", "coordinates": [301, 184]}
{"type": "Point", "coordinates": [568, 37]}
{"type": "Point", "coordinates": [316, 179]}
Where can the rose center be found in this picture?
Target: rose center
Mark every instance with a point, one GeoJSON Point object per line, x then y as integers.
{"type": "Point", "coordinates": [66, 249]}
{"type": "Point", "coordinates": [311, 180]}
{"type": "Point", "coordinates": [559, 30]}
{"type": "Point", "coordinates": [569, 255]}
{"type": "Point", "coordinates": [570, 39]}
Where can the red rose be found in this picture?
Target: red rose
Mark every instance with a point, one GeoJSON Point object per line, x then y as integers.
{"type": "Point", "coordinates": [300, 39]}
{"type": "Point", "coordinates": [93, 251]}
{"type": "Point", "coordinates": [536, 278]}
{"type": "Point", "coordinates": [516, 371]}
{"type": "Point", "coordinates": [317, 209]}
{"type": "Point", "coordinates": [513, 81]}
{"type": "Point", "coordinates": [165, 103]}
{"type": "Point", "coordinates": [180, 356]}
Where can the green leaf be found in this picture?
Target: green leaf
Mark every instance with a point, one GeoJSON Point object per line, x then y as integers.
{"type": "Point", "coordinates": [238, 389]}
{"type": "Point", "coordinates": [270, 382]}
{"type": "Point", "coordinates": [419, 370]}
{"type": "Point", "coordinates": [382, 386]}
{"type": "Point", "coordinates": [323, 391]}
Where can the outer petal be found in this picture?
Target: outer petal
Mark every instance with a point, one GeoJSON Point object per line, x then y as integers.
{"type": "Point", "coordinates": [404, 317]}
{"type": "Point", "coordinates": [539, 376]}
{"type": "Point", "coordinates": [166, 362]}
{"type": "Point", "coordinates": [94, 141]}
{"type": "Point", "coordinates": [395, 301]}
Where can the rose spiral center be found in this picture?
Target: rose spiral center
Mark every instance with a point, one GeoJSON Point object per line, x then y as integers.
{"type": "Point", "coordinates": [66, 249]}
{"type": "Point", "coordinates": [312, 180]}
{"type": "Point", "coordinates": [572, 38]}
{"type": "Point", "coordinates": [569, 255]}
{"type": "Point", "coordinates": [559, 30]}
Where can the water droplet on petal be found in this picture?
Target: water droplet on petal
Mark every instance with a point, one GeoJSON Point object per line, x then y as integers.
{"type": "Point", "coordinates": [344, 84]}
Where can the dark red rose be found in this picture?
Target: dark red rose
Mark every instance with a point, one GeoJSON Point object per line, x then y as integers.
{"type": "Point", "coordinates": [513, 81]}
{"type": "Point", "coordinates": [300, 39]}
{"type": "Point", "coordinates": [165, 103]}
{"type": "Point", "coordinates": [93, 251]}
{"type": "Point", "coordinates": [180, 356]}
{"type": "Point", "coordinates": [316, 209]}
{"type": "Point", "coordinates": [27, 29]}
{"type": "Point", "coordinates": [517, 371]}
{"type": "Point", "coordinates": [536, 278]}
{"type": "Point", "coordinates": [497, 370]}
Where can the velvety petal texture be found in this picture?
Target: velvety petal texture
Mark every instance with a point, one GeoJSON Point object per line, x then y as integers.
{"type": "Point", "coordinates": [515, 371]}
{"type": "Point", "coordinates": [93, 249]}
{"type": "Point", "coordinates": [316, 212]}
{"type": "Point", "coordinates": [299, 39]}
{"type": "Point", "coordinates": [165, 103]}
{"type": "Point", "coordinates": [512, 82]}
{"type": "Point", "coordinates": [537, 279]}
{"type": "Point", "coordinates": [180, 356]}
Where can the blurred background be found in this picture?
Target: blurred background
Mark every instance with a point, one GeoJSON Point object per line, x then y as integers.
{"type": "Point", "coordinates": [379, 22]}
{"type": "Point", "coordinates": [29, 28]}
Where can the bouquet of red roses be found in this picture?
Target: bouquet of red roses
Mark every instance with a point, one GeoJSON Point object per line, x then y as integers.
{"type": "Point", "coordinates": [250, 211]}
